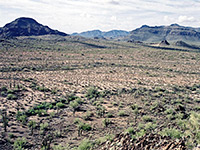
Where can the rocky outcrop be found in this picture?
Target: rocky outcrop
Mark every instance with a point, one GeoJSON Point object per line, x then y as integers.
{"type": "Point", "coordinates": [147, 142]}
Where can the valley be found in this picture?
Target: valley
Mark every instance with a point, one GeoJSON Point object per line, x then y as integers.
{"type": "Point", "coordinates": [71, 92]}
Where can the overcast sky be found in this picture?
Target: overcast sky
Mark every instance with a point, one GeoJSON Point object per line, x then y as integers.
{"type": "Point", "coordinates": [82, 15]}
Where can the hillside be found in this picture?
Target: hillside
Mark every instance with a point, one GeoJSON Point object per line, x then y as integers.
{"type": "Point", "coordinates": [170, 33]}
{"type": "Point", "coordinates": [26, 27]}
{"type": "Point", "coordinates": [77, 93]}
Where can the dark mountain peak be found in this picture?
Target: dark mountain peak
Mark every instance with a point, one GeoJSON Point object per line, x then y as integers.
{"type": "Point", "coordinates": [25, 26]}
{"type": "Point", "coordinates": [145, 26]}
{"type": "Point", "coordinates": [175, 25]}
{"type": "Point", "coordinates": [164, 42]}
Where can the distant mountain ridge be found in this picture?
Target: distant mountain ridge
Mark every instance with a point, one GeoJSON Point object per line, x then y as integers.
{"type": "Point", "coordinates": [101, 34]}
{"type": "Point", "coordinates": [173, 32]}
{"type": "Point", "coordinates": [150, 34]}
{"type": "Point", "coordinates": [27, 27]}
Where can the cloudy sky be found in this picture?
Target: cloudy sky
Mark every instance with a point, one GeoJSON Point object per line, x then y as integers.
{"type": "Point", "coordinates": [81, 15]}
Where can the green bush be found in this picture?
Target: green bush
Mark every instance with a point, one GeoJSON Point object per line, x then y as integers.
{"type": "Point", "coordinates": [100, 110]}
{"type": "Point", "coordinates": [21, 117]}
{"type": "Point", "coordinates": [20, 144]}
{"type": "Point", "coordinates": [122, 113]}
{"type": "Point", "coordinates": [130, 130]}
{"type": "Point", "coordinates": [11, 97]}
{"type": "Point", "coordinates": [74, 105]}
{"type": "Point", "coordinates": [32, 125]}
{"type": "Point", "coordinates": [60, 105]}
{"type": "Point", "coordinates": [109, 115]}
{"type": "Point", "coordinates": [88, 115]}
{"type": "Point", "coordinates": [3, 93]}
{"type": "Point", "coordinates": [134, 106]}
{"type": "Point", "coordinates": [85, 145]}
{"type": "Point", "coordinates": [84, 126]}
{"type": "Point", "coordinates": [174, 133]}
{"type": "Point", "coordinates": [44, 126]}
{"type": "Point", "coordinates": [77, 121]}
{"type": "Point", "coordinates": [4, 88]}
{"type": "Point", "coordinates": [106, 122]}
{"type": "Point", "coordinates": [92, 93]}
{"type": "Point", "coordinates": [147, 118]}
{"type": "Point", "coordinates": [59, 147]}
{"type": "Point", "coordinates": [150, 126]}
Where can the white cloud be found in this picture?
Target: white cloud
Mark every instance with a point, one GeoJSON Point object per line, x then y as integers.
{"type": "Point", "coordinates": [182, 19]}
{"type": "Point", "coordinates": [81, 15]}
{"type": "Point", "coordinates": [113, 18]}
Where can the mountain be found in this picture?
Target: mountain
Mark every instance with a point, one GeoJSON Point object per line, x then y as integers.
{"type": "Point", "coordinates": [27, 27]}
{"type": "Point", "coordinates": [170, 33]}
{"type": "Point", "coordinates": [100, 34]}
{"type": "Point", "coordinates": [186, 45]}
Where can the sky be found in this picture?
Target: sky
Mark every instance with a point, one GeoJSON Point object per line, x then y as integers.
{"type": "Point", "coordinates": [72, 16]}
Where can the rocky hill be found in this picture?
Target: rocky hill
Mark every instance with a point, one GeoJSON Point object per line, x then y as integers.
{"type": "Point", "coordinates": [100, 34]}
{"type": "Point", "coordinates": [170, 33]}
{"type": "Point", "coordinates": [26, 27]}
{"type": "Point", "coordinates": [186, 45]}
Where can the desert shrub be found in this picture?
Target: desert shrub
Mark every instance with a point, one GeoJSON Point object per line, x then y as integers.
{"type": "Point", "coordinates": [147, 118]}
{"type": "Point", "coordinates": [85, 145]}
{"type": "Point", "coordinates": [72, 97]}
{"type": "Point", "coordinates": [44, 126]}
{"type": "Point", "coordinates": [32, 125]}
{"type": "Point", "coordinates": [60, 105]}
{"type": "Point", "coordinates": [134, 106]}
{"type": "Point", "coordinates": [140, 133]}
{"type": "Point", "coordinates": [10, 91]}
{"type": "Point", "coordinates": [5, 119]}
{"type": "Point", "coordinates": [100, 110]}
{"type": "Point", "coordinates": [21, 117]}
{"type": "Point", "coordinates": [77, 121]}
{"type": "Point", "coordinates": [42, 89]}
{"type": "Point", "coordinates": [169, 111]}
{"type": "Point", "coordinates": [106, 122]}
{"type": "Point", "coordinates": [109, 115]}
{"type": "Point", "coordinates": [11, 97]}
{"type": "Point", "coordinates": [59, 147]}
{"type": "Point", "coordinates": [194, 121]}
{"type": "Point", "coordinates": [30, 112]}
{"type": "Point", "coordinates": [20, 144]}
{"type": "Point", "coordinates": [74, 105]}
{"type": "Point", "coordinates": [171, 117]}
{"type": "Point", "coordinates": [41, 112]}
{"type": "Point", "coordinates": [63, 100]}
{"type": "Point", "coordinates": [122, 113]}
{"type": "Point", "coordinates": [154, 106]}
{"type": "Point", "coordinates": [11, 135]}
{"type": "Point", "coordinates": [130, 130]}
{"type": "Point", "coordinates": [57, 133]}
{"type": "Point", "coordinates": [84, 126]}
{"type": "Point", "coordinates": [150, 126]}
{"type": "Point", "coordinates": [4, 88]}
{"type": "Point", "coordinates": [79, 100]}
{"type": "Point", "coordinates": [92, 93]}
{"type": "Point", "coordinates": [3, 93]}
{"type": "Point", "coordinates": [174, 133]}
{"type": "Point", "coordinates": [88, 115]}
{"type": "Point", "coordinates": [54, 91]}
